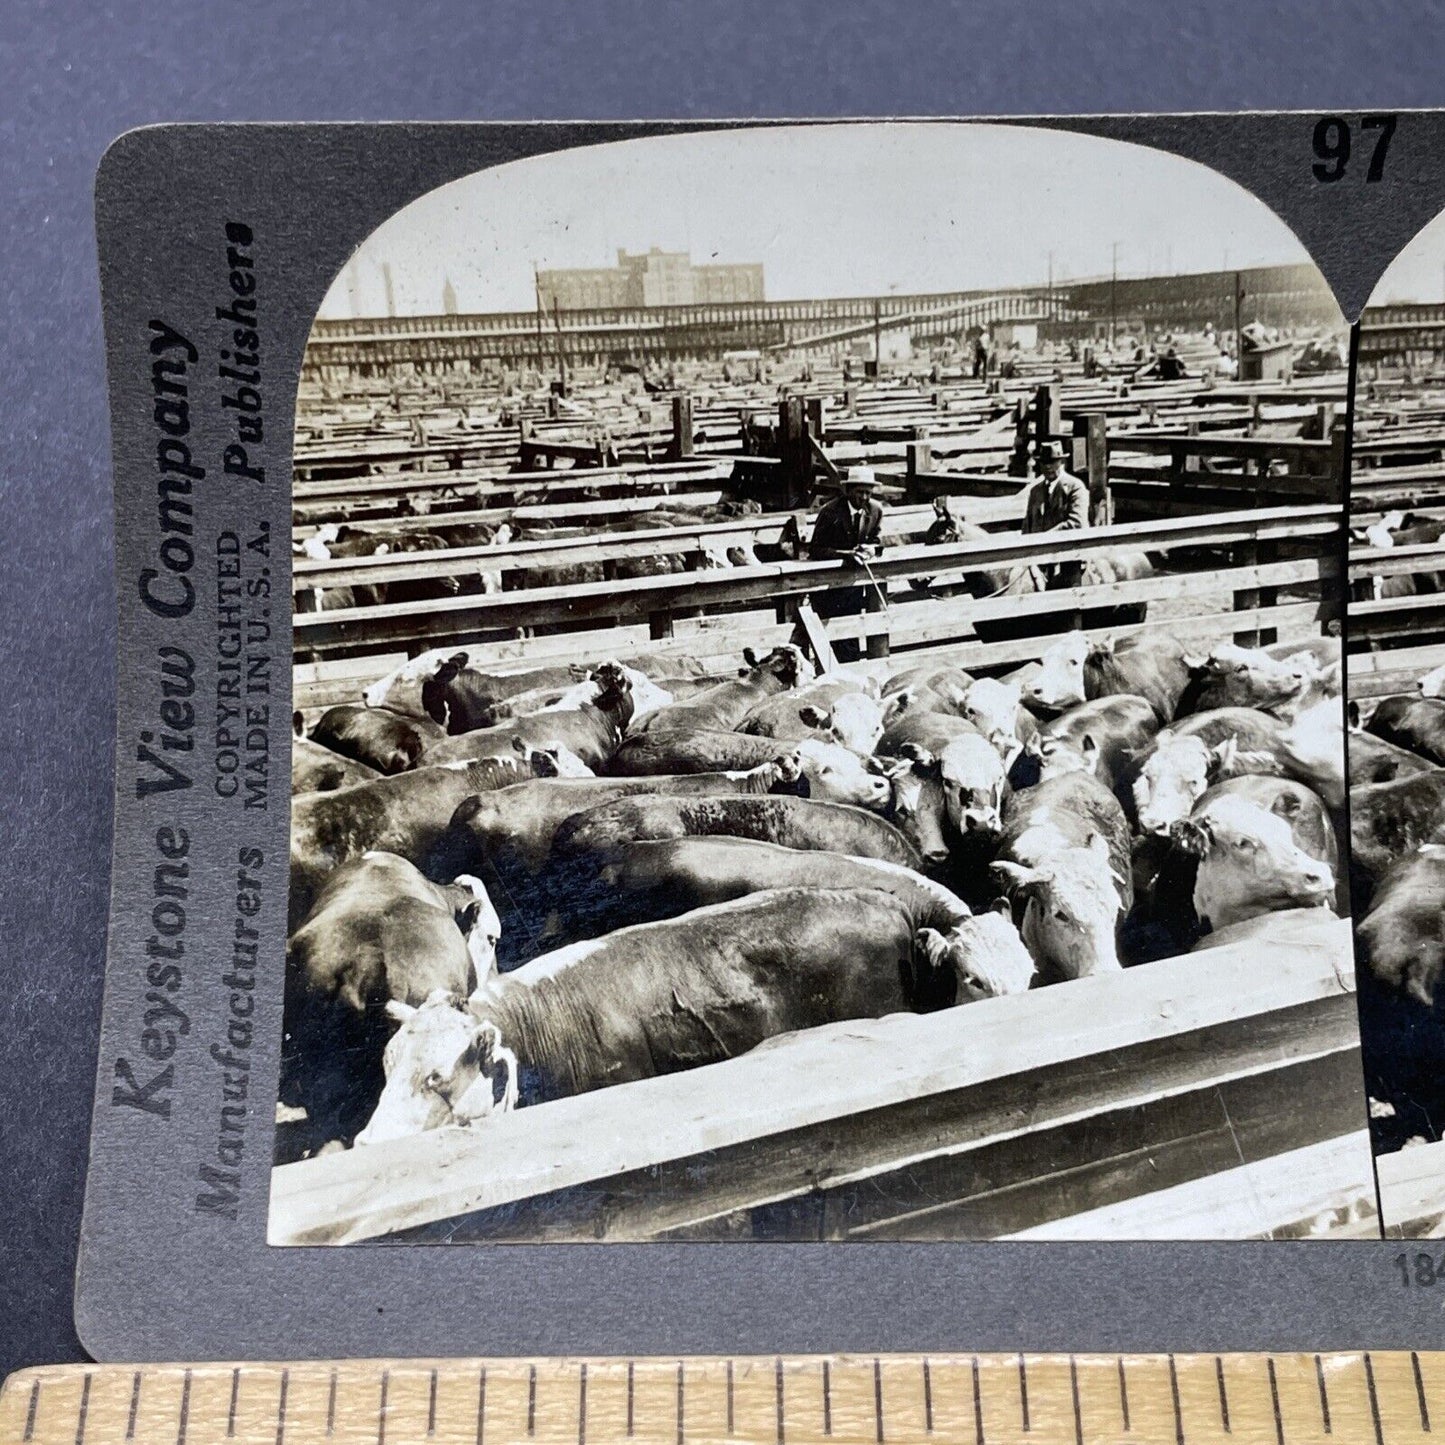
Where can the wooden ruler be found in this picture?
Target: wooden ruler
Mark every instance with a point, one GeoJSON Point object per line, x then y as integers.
{"type": "Point", "coordinates": [1385, 1398]}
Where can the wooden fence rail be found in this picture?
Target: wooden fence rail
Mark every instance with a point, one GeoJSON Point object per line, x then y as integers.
{"type": "Point", "coordinates": [659, 601]}
{"type": "Point", "coordinates": [868, 1109]}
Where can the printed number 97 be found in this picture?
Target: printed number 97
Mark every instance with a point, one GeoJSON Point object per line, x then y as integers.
{"type": "Point", "coordinates": [1332, 146]}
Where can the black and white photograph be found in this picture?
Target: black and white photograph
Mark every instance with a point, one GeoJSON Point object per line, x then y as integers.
{"type": "Point", "coordinates": [1396, 685]}
{"type": "Point", "coordinates": [818, 685]}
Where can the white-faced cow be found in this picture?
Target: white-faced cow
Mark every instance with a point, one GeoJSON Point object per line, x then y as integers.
{"type": "Point", "coordinates": [726, 704]}
{"type": "Point", "coordinates": [651, 1000]}
{"type": "Point", "coordinates": [1065, 857]}
{"type": "Point", "coordinates": [379, 932]}
{"type": "Point", "coordinates": [1263, 844]}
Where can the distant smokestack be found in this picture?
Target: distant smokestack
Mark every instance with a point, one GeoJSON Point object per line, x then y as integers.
{"type": "Point", "coordinates": [390, 294]}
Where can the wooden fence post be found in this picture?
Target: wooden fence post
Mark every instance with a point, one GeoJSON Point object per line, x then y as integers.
{"type": "Point", "coordinates": [1338, 440]}
{"type": "Point", "coordinates": [817, 411]}
{"type": "Point", "coordinates": [682, 443]}
{"type": "Point", "coordinates": [794, 453]}
{"type": "Point", "coordinates": [919, 465]}
{"type": "Point", "coordinates": [1018, 463]}
{"type": "Point", "coordinates": [1096, 456]}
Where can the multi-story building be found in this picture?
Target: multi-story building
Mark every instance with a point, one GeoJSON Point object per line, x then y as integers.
{"type": "Point", "coordinates": [648, 278]}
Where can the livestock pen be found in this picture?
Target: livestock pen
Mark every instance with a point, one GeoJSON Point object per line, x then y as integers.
{"type": "Point", "coordinates": [1396, 637]}
{"type": "Point", "coordinates": [1130, 1105]}
{"type": "Point", "coordinates": [1397, 612]}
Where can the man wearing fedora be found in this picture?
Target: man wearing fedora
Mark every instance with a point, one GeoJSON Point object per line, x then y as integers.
{"type": "Point", "coordinates": [1057, 502]}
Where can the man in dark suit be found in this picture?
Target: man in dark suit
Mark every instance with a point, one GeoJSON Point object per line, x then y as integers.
{"type": "Point", "coordinates": [850, 526]}
{"type": "Point", "coordinates": [1057, 502]}
{"type": "Point", "coordinates": [848, 529]}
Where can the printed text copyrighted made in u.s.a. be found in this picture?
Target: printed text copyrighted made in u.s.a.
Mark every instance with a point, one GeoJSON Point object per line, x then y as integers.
{"type": "Point", "coordinates": [200, 480]}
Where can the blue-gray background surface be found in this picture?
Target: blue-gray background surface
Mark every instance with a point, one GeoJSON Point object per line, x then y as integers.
{"type": "Point", "coordinates": [74, 75]}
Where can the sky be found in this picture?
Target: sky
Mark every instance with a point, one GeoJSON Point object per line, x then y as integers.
{"type": "Point", "coordinates": [1418, 272]}
{"type": "Point", "coordinates": [834, 210]}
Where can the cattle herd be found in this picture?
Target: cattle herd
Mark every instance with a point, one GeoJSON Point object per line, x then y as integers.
{"type": "Point", "coordinates": [509, 887]}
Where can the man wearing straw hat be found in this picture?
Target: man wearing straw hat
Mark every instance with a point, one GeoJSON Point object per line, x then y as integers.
{"type": "Point", "coordinates": [1057, 502]}
{"type": "Point", "coordinates": [850, 526]}
{"type": "Point", "coordinates": [849, 529]}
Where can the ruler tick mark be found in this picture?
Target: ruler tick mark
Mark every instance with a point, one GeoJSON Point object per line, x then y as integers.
{"type": "Point", "coordinates": [778, 1390]}
{"type": "Point", "coordinates": [531, 1399]}
{"type": "Point", "coordinates": [32, 1409]}
{"type": "Point", "coordinates": [977, 1405]}
{"type": "Point", "coordinates": [481, 1404]}
{"type": "Point", "coordinates": [431, 1407]}
{"type": "Point", "coordinates": [1123, 1394]}
{"type": "Point", "coordinates": [331, 1406]}
{"type": "Point", "coordinates": [1374, 1399]}
{"type": "Point", "coordinates": [679, 1402]}
{"type": "Point", "coordinates": [381, 1408]}
{"type": "Point", "coordinates": [1274, 1403]}
{"type": "Point", "coordinates": [134, 1405]}
{"type": "Point", "coordinates": [185, 1409]}
{"type": "Point", "coordinates": [927, 1397]}
{"type": "Point", "coordinates": [1324, 1396]}
{"type": "Point", "coordinates": [1024, 1393]}
{"type": "Point", "coordinates": [1223, 1394]}
{"type": "Point", "coordinates": [582, 1405]}
{"type": "Point", "coordinates": [827, 1401]}
{"type": "Point", "coordinates": [1078, 1405]}
{"type": "Point", "coordinates": [231, 1412]}
{"type": "Point", "coordinates": [281, 1406]}
{"type": "Point", "coordinates": [730, 1397]}
{"type": "Point", "coordinates": [1178, 1413]}
{"type": "Point", "coordinates": [1420, 1392]}
{"type": "Point", "coordinates": [629, 1399]}
{"type": "Point", "coordinates": [84, 1410]}
{"type": "Point", "coordinates": [878, 1401]}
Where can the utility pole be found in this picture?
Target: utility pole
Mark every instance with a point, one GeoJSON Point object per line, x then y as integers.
{"type": "Point", "coordinates": [537, 293]}
{"type": "Point", "coordinates": [1113, 294]}
{"type": "Point", "coordinates": [1052, 309]}
{"type": "Point", "coordinates": [1238, 310]}
{"type": "Point", "coordinates": [561, 352]}
{"type": "Point", "coordinates": [878, 336]}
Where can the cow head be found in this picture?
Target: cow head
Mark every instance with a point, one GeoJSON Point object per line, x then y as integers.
{"type": "Point", "coordinates": [786, 664]}
{"type": "Point", "coordinates": [401, 689]}
{"type": "Point", "coordinates": [1059, 682]}
{"type": "Point", "coordinates": [443, 1066]}
{"type": "Point", "coordinates": [856, 721]}
{"type": "Point", "coordinates": [783, 774]}
{"type": "Point", "coordinates": [836, 775]}
{"type": "Point", "coordinates": [613, 694]}
{"type": "Point", "coordinates": [1058, 756]}
{"type": "Point", "coordinates": [993, 708]}
{"type": "Point", "coordinates": [919, 805]}
{"type": "Point", "coordinates": [1071, 903]}
{"type": "Point", "coordinates": [552, 760]}
{"type": "Point", "coordinates": [434, 700]}
{"type": "Point", "coordinates": [1234, 676]}
{"type": "Point", "coordinates": [479, 923]}
{"type": "Point", "coordinates": [1249, 861]}
{"type": "Point", "coordinates": [985, 953]}
{"type": "Point", "coordinates": [1173, 778]}
{"type": "Point", "coordinates": [973, 784]}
